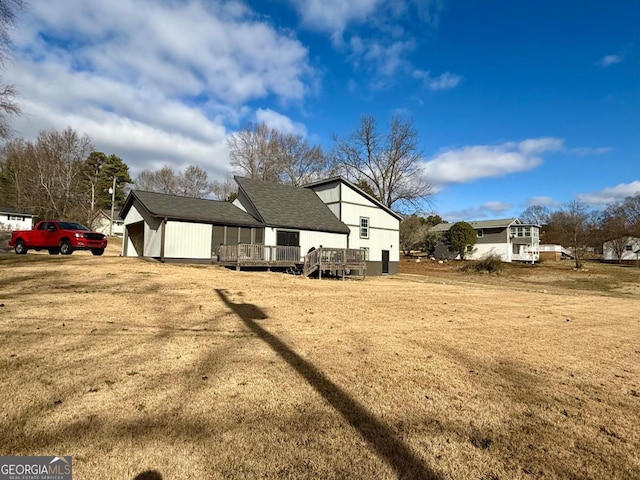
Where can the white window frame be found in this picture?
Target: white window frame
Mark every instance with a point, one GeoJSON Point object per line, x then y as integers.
{"type": "Point", "coordinates": [364, 228]}
{"type": "Point", "coordinates": [479, 233]}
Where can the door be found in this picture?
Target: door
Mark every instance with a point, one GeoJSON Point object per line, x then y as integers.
{"type": "Point", "coordinates": [285, 238]}
{"type": "Point", "coordinates": [385, 261]}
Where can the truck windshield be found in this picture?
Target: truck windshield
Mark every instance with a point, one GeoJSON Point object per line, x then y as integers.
{"type": "Point", "coordinates": [71, 226]}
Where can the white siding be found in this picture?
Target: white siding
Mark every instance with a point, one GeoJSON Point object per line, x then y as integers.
{"type": "Point", "coordinates": [133, 216]}
{"type": "Point", "coordinates": [24, 223]}
{"type": "Point", "coordinates": [328, 193]}
{"type": "Point", "coordinates": [609, 252]}
{"type": "Point", "coordinates": [187, 240]}
{"type": "Point", "coordinates": [152, 237]}
{"type": "Point", "coordinates": [383, 227]}
{"type": "Point", "coordinates": [482, 249]}
{"type": "Point", "coordinates": [308, 239]}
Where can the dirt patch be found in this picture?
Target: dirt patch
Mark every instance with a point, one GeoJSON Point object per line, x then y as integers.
{"type": "Point", "coordinates": [202, 372]}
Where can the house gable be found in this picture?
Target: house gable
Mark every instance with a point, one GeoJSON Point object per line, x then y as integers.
{"type": "Point", "coordinates": [286, 206]}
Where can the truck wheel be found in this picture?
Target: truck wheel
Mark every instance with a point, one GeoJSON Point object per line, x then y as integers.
{"type": "Point", "coordinates": [20, 248]}
{"type": "Point", "coordinates": [97, 251]}
{"type": "Point", "coordinates": [54, 251]}
{"type": "Point", "coordinates": [65, 247]}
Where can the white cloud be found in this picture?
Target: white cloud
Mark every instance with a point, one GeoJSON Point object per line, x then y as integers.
{"type": "Point", "coordinates": [444, 81]}
{"type": "Point", "coordinates": [154, 82]}
{"type": "Point", "coordinates": [496, 207]}
{"type": "Point", "coordinates": [280, 122]}
{"type": "Point", "coordinates": [609, 60]}
{"type": "Point", "coordinates": [375, 35]}
{"type": "Point", "coordinates": [582, 151]}
{"type": "Point", "coordinates": [486, 210]}
{"type": "Point", "coordinates": [334, 16]}
{"type": "Point", "coordinates": [611, 194]}
{"type": "Point", "coordinates": [468, 164]}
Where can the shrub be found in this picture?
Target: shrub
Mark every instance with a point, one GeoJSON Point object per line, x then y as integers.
{"type": "Point", "coordinates": [490, 263]}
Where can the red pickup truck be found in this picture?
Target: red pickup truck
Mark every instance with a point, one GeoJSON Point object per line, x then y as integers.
{"type": "Point", "coordinates": [58, 237]}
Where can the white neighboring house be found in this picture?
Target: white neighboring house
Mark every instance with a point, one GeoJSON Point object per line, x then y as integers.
{"type": "Point", "coordinates": [508, 238]}
{"type": "Point", "coordinates": [374, 227]}
{"type": "Point", "coordinates": [103, 221]}
{"type": "Point", "coordinates": [629, 247]}
{"type": "Point", "coordinates": [15, 219]}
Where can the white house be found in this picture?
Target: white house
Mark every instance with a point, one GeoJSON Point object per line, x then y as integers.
{"type": "Point", "coordinates": [292, 216]}
{"type": "Point", "coordinates": [15, 219]}
{"type": "Point", "coordinates": [102, 224]}
{"type": "Point", "coordinates": [373, 227]}
{"type": "Point", "coordinates": [508, 238]}
{"type": "Point", "coordinates": [623, 248]}
{"type": "Point", "coordinates": [331, 214]}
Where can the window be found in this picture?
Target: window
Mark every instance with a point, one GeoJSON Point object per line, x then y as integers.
{"type": "Point", "coordinates": [364, 227]}
{"type": "Point", "coordinates": [629, 248]}
{"type": "Point", "coordinates": [479, 233]}
{"type": "Point", "coordinates": [287, 238]}
{"type": "Point", "coordinates": [16, 219]}
{"type": "Point", "coordinates": [365, 253]}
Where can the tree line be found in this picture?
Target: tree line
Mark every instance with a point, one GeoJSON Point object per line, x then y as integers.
{"type": "Point", "coordinates": [60, 175]}
{"type": "Point", "coordinates": [574, 226]}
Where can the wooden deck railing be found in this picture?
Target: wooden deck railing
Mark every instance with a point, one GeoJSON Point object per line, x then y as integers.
{"type": "Point", "coordinates": [335, 260]}
{"type": "Point", "coordinates": [258, 255]}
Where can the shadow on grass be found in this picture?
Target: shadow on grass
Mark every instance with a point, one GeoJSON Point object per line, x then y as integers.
{"type": "Point", "coordinates": [148, 475]}
{"type": "Point", "coordinates": [398, 455]}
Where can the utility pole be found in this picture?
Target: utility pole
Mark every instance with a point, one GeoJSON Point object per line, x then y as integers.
{"type": "Point", "coordinates": [113, 200]}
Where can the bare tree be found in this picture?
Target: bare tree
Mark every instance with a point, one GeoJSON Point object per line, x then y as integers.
{"type": "Point", "coordinates": [8, 105]}
{"type": "Point", "coordinates": [619, 222]}
{"type": "Point", "coordinates": [253, 152]}
{"type": "Point", "coordinates": [227, 190]}
{"type": "Point", "coordinates": [16, 184]}
{"type": "Point", "coordinates": [297, 162]}
{"type": "Point", "coordinates": [568, 226]}
{"type": "Point", "coordinates": [536, 214]}
{"type": "Point", "coordinates": [193, 182]}
{"type": "Point", "coordinates": [390, 163]}
{"type": "Point", "coordinates": [145, 181]}
{"type": "Point", "coordinates": [413, 232]}
{"type": "Point", "coordinates": [59, 164]}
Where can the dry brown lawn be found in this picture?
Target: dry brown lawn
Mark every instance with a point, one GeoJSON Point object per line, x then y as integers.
{"type": "Point", "coordinates": [185, 371]}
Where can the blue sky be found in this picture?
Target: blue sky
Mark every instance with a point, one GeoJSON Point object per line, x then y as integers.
{"type": "Point", "coordinates": [516, 103]}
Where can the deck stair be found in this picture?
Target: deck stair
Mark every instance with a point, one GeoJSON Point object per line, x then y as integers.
{"type": "Point", "coordinates": [335, 261]}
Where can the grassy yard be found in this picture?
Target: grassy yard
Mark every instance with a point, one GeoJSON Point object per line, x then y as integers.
{"type": "Point", "coordinates": [157, 371]}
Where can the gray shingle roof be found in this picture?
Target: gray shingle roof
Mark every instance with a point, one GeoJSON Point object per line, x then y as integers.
{"type": "Point", "coordinates": [290, 207]}
{"type": "Point", "coordinates": [17, 211]}
{"type": "Point", "coordinates": [499, 223]}
{"type": "Point", "coordinates": [184, 208]}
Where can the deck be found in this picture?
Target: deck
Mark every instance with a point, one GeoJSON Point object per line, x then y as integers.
{"type": "Point", "coordinates": [335, 261]}
{"type": "Point", "coordinates": [253, 255]}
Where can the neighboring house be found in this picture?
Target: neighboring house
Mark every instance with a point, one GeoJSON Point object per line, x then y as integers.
{"type": "Point", "coordinates": [373, 226]}
{"type": "Point", "coordinates": [103, 222]}
{"type": "Point", "coordinates": [332, 214]}
{"type": "Point", "coordinates": [626, 246]}
{"type": "Point", "coordinates": [15, 219]}
{"type": "Point", "coordinates": [508, 238]}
